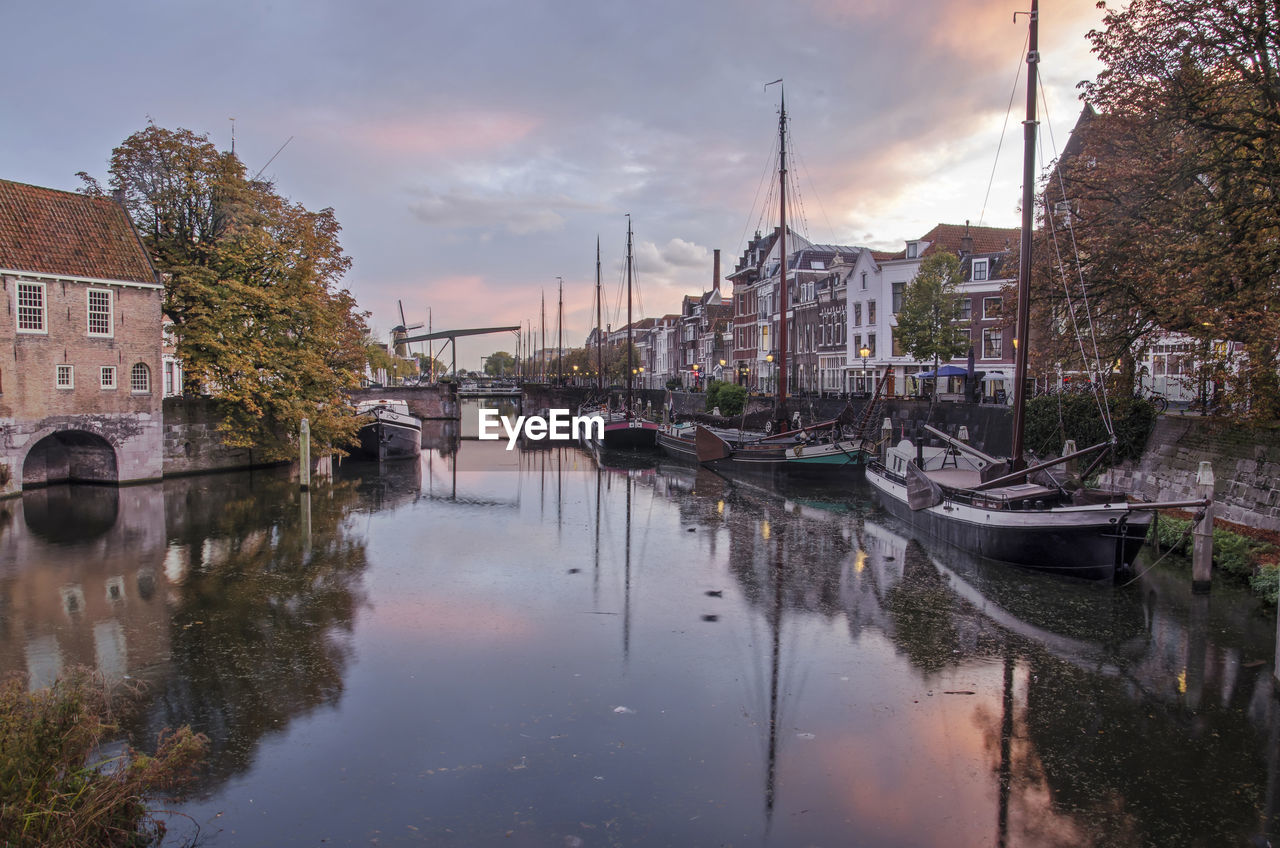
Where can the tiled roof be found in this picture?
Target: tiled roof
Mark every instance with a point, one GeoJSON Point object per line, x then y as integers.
{"type": "Point", "coordinates": [46, 231]}
{"type": "Point", "coordinates": [985, 239]}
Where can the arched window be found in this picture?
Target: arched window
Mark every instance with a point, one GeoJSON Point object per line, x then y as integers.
{"type": "Point", "coordinates": [140, 378]}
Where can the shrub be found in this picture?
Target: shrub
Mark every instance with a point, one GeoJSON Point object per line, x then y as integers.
{"type": "Point", "coordinates": [55, 789]}
{"type": "Point", "coordinates": [1264, 582]}
{"type": "Point", "coordinates": [1234, 554]}
{"type": "Point", "coordinates": [1052, 419]}
{"type": "Point", "coordinates": [730, 397]}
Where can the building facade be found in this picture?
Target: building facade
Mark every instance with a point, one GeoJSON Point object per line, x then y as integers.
{"type": "Point", "coordinates": [80, 395]}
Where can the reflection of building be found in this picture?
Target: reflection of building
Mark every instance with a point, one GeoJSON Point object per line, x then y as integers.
{"type": "Point", "coordinates": [108, 611]}
{"type": "Point", "coordinates": [80, 397]}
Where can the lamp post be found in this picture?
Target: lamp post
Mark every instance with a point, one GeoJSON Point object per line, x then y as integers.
{"type": "Point", "coordinates": [864, 352]}
{"type": "Point", "coordinates": [695, 375]}
{"type": "Point", "coordinates": [772, 377]}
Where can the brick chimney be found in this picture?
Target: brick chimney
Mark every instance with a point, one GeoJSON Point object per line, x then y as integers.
{"type": "Point", "coordinates": [966, 241]}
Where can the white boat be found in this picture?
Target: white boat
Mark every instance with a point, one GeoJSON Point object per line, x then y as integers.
{"type": "Point", "coordinates": [388, 430]}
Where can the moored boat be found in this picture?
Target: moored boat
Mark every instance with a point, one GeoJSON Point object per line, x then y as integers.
{"type": "Point", "coordinates": [1006, 510]}
{"type": "Point", "coordinates": [388, 430]}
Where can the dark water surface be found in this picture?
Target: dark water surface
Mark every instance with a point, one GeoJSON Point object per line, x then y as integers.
{"type": "Point", "coordinates": [493, 648]}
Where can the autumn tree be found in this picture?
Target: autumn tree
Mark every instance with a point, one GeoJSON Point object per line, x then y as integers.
{"type": "Point", "coordinates": [1175, 189]}
{"type": "Point", "coordinates": [253, 286]}
{"type": "Point", "coordinates": [929, 325]}
{"type": "Point", "coordinates": [621, 360]}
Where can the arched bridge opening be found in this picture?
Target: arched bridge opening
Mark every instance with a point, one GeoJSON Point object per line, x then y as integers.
{"type": "Point", "coordinates": [70, 456]}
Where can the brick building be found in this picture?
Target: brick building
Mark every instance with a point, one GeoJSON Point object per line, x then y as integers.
{"type": "Point", "coordinates": [80, 343]}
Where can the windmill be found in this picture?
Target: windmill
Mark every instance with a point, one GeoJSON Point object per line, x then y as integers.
{"type": "Point", "coordinates": [401, 332]}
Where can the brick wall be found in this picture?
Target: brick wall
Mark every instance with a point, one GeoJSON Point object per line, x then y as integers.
{"type": "Point", "coordinates": [28, 369]}
{"type": "Point", "coordinates": [86, 430]}
{"type": "Point", "coordinates": [1246, 467]}
{"type": "Point", "coordinates": [437, 401]}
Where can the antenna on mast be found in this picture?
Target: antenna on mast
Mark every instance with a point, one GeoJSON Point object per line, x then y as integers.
{"type": "Point", "coordinates": [272, 159]}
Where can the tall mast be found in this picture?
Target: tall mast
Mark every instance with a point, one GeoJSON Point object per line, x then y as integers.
{"type": "Point", "coordinates": [1022, 328]}
{"type": "Point", "coordinates": [781, 407]}
{"type": "Point", "coordinates": [628, 365]}
{"type": "Point", "coordinates": [599, 328]}
{"type": "Point", "coordinates": [542, 354]}
{"type": "Point", "coordinates": [560, 335]}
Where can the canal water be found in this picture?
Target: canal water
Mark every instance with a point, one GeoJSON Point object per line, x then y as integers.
{"type": "Point", "coordinates": [544, 648]}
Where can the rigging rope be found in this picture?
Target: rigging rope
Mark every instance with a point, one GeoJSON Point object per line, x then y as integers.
{"type": "Point", "coordinates": [1017, 75]}
{"type": "Point", "coordinates": [1100, 387]}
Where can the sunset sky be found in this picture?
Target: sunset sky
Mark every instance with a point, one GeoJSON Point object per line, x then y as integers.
{"type": "Point", "coordinates": [474, 151]}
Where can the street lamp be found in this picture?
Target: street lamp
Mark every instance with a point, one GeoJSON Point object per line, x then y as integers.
{"type": "Point", "coordinates": [864, 352]}
{"type": "Point", "coordinates": [575, 375]}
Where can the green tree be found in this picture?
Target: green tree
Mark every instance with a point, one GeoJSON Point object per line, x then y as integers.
{"type": "Point", "coordinates": [252, 284]}
{"type": "Point", "coordinates": [424, 366]}
{"type": "Point", "coordinates": [929, 324]}
{"type": "Point", "coordinates": [500, 364]}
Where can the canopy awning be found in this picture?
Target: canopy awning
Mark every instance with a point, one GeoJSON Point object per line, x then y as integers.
{"type": "Point", "coordinates": [991, 376]}
{"type": "Point", "coordinates": [944, 371]}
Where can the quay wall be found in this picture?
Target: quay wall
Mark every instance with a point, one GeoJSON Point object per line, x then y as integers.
{"type": "Point", "coordinates": [438, 401]}
{"type": "Point", "coordinates": [192, 442]}
{"type": "Point", "coordinates": [1246, 467]}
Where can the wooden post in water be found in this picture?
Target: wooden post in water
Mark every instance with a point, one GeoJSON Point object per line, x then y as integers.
{"type": "Point", "coordinates": [1202, 550]}
{"type": "Point", "coordinates": [304, 456]}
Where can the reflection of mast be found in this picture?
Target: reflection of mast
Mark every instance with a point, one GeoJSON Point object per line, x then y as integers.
{"type": "Point", "coordinates": [595, 579]}
{"type": "Point", "coordinates": [1006, 743]}
{"type": "Point", "coordinates": [775, 656]}
{"type": "Point", "coordinates": [626, 592]}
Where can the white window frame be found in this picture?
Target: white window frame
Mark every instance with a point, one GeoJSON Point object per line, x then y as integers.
{"type": "Point", "coordinates": [43, 289]}
{"type": "Point", "coordinates": [987, 315]}
{"type": "Point", "coordinates": [133, 379]}
{"type": "Point", "coordinates": [984, 266]}
{"type": "Point", "coordinates": [913, 250]}
{"type": "Point", "coordinates": [992, 332]}
{"type": "Point", "coordinates": [69, 371]}
{"type": "Point", "coordinates": [107, 378]}
{"type": "Point", "coordinates": [111, 313]}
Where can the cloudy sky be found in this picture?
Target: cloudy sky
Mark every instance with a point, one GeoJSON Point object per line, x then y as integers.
{"type": "Point", "coordinates": [474, 150]}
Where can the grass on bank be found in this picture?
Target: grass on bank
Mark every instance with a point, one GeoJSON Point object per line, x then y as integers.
{"type": "Point", "coordinates": [56, 788]}
{"type": "Point", "coordinates": [1244, 553]}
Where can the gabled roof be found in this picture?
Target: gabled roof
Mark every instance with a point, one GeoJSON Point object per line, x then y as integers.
{"type": "Point", "coordinates": [985, 239]}
{"type": "Point", "coordinates": [46, 231]}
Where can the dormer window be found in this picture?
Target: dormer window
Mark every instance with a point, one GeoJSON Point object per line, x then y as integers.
{"type": "Point", "coordinates": [980, 270]}
{"type": "Point", "coordinates": [913, 249]}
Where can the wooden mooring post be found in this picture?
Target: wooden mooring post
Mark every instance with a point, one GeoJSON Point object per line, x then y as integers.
{"type": "Point", "coordinates": [304, 456]}
{"type": "Point", "coordinates": [1202, 535]}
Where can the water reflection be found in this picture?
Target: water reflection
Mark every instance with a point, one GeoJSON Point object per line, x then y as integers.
{"type": "Point", "coordinates": [489, 647]}
{"type": "Point", "coordinates": [231, 603]}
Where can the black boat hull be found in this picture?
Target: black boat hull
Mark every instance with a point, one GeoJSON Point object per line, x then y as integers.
{"type": "Point", "coordinates": [384, 440]}
{"type": "Point", "coordinates": [635, 434]}
{"type": "Point", "coordinates": [1090, 544]}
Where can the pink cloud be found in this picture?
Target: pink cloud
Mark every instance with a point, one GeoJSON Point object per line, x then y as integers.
{"type": "Point", "coordinates": [436, 134]}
